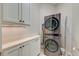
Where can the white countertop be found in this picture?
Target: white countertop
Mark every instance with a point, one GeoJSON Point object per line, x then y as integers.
{"type": "Point", "coordinates": [15, 43]}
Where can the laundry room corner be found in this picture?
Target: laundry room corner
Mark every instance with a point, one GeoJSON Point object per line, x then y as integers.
{"type": "Point", "coordinates": [45, 10]}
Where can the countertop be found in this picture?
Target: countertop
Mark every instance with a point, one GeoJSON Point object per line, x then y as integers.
{"type": "Point", "coordinates": [15, 43]}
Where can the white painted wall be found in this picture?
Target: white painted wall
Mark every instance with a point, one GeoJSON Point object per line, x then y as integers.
{"type": "Point", "coordinates": [75, 28]}
{"type": "Point", "coordinates": [45, 10]}
{"type": "Point", "coordinates": [66, 14]}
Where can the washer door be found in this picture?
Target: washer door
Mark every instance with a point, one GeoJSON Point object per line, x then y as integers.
{"type": "Point", "coordinates": [52, 24]}
{"type": "Point", "coordinates": [51, 45]}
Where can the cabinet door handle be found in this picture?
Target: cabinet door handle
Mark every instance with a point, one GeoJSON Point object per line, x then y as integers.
{"type": "Point", "coordinates": [20, 20]}
{"type": "Point", "coordinates": [23, 46]}
{"type": "Point", "coordinates": [20, 47]}
{"type": "Point", "coordinates": [23, 21]}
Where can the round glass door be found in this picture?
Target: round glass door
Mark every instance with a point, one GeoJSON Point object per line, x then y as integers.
{"type": "Point", "coordinates": [52, 23]}
{"type": "Point", "coordinates": [51, 45]}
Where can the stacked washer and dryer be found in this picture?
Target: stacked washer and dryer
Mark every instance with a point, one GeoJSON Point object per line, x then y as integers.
{"type": "Point", "coordinates": [51, 35]}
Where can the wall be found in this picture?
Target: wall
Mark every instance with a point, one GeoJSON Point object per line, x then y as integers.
{"type": "Point", "coordinates": [10, 34]}
{"type": "Point", "coordinates": [75, 28]}
{"type": "Point", "coordinates": [66, 16]}
{"type": "Point", "coordinates": [45, 10]}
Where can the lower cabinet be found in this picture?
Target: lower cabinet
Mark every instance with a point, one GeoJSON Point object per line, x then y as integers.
{"type": "Point", "coordinates": [15, 51]}
{"type": "Point", "coordinates": [26, 49]}
{"type": "Point", "coordinates": [35, 47]}
{"type": "Point", "coordinates": [30, 48]}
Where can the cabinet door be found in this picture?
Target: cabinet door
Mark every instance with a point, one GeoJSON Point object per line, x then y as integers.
{"type": "Point", "coordinates": [10, 12]}
{"type": "Point", "coordinates": [25, 13]}
{"type": "Point", "coordinates": [35, 47]}
{"type": "Point", "coordinates": [12, 52]}
{"type": "Point", "coordinates": [26, 49]}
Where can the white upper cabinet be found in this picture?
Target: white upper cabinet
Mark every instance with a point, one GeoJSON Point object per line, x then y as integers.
{"type": "Point", "coordinates": [26, 13]}
{"type": "Point", "coordinates": [10, 12]}
{"type": "Point", "coordinates": [16, 12]}
{"type": "Point", "coordinates": [23, 13]}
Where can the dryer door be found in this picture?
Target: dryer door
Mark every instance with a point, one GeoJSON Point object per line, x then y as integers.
{"type": "Point", "coordinates": [51, 45]}
{"type": "Point", "coordinates": [51, 24]}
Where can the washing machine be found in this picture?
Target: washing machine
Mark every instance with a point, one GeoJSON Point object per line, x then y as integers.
{"type": "Point", "coordinates": [52, 46]}
{"type": "Point", "coordinates": [52, 23]}
{"type": "Point", "coordinates": [52, 37]}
